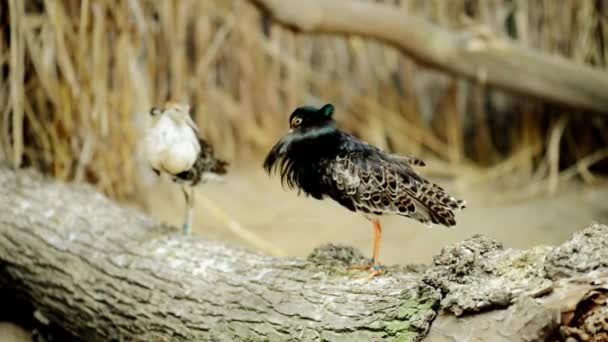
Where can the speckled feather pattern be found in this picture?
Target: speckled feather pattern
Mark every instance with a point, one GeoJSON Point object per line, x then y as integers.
{"type": "Point", "coordinates": [360, 177]}
{"type": "Point", "coordinates": [204, 164]}
{"type": "Point", "coordinates": [382, 184]}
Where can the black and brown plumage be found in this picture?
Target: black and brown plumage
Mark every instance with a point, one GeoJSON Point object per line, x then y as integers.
{"type": "Point", "coordinates": [317, 158]}
{"type": "Point", "coordinates": [173, 147]}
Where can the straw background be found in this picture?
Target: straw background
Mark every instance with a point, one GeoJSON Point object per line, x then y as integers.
{"type": "Point", "coordinates": [79, 75]}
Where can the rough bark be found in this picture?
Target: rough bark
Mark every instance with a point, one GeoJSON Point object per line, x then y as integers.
{"type": "Point", "coordinates": [473, 53]}
{"type": "Point", "coordinates": [108, 272]}
{"type": "Point", "coordinates": [549, 287]}
{"type": "Point", "coordinates": [102, 271]}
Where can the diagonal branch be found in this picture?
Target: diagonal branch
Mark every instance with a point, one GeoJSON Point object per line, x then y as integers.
{"type": "Point", "coordinates": [473, 54]}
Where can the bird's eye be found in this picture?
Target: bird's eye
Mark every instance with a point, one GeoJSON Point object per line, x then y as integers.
{"type": "Point", "coordinates": [155, 111]}
{"type": "Point", "coordinates": [296, 122]}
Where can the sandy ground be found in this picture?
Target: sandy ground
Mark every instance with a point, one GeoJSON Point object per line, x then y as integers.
{"type": "Point", "coordinates": [298, 224]}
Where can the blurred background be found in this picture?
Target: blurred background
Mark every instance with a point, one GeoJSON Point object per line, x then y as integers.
{"type": "Point", "coordinates": [79, 76]}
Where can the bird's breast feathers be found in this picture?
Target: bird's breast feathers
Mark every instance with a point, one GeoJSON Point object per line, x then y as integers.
{"type": "Point", "coordinates": [170, 147]}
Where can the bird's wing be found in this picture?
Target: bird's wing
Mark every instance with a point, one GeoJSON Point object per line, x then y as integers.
{"type": "Point", "coordinates": [408, 160]}
{"type": "Point", "coordinates": [377, 184]}
{"type": "Point", "coordinates": [208, 162]}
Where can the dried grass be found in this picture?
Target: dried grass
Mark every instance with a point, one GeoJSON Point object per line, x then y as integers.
{"type": "Point", "coordinates": [79, 75]}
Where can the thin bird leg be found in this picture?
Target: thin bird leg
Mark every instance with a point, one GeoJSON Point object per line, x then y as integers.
{"type": "Point", "coordinates": [370, 265]}
{"type": "Point", "coordinates": [377, 238]}
{"type": "Point", "coordinates": [188, 216]}
{"type": "Point", "coordinates": [191, 206]}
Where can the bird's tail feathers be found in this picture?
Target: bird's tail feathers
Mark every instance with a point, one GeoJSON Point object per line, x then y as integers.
{"type": "Point", "coordinates": [435, 205]}
{"type": "Point", "coordinates": [220, 167]}
{"type": "Point", "coordinates": [430, 213]}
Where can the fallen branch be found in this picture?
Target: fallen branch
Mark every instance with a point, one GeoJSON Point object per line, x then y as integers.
{"type": "Point", "coordinates": [475, 54]}
{"type": "Point", "coordinates": [101, 271]}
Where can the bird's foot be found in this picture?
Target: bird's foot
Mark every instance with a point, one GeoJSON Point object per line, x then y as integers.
{"type": "Point", "coordinates": [186, 228]}
{"type": "Point", "coordinates": [375, 272]}
{"type": "Point", "coordinates": [372, 266]}
{"type": "Point", "coordinates": [363, 267]}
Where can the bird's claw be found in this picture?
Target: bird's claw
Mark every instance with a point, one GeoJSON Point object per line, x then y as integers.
{"type": "Point", "coordinates": [373, 267]}
{"type": "Point", "coordinates": [360, 268]}
{"type": "Point", "coordinates": [363, 267]}
{"type": "Point", "coordinates": [375, 272]}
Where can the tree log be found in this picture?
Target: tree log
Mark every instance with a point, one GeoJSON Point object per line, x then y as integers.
{"type": "Point", "coordinates": [105, 272]}
{"type": "Point", "coordinates": [475, 53]}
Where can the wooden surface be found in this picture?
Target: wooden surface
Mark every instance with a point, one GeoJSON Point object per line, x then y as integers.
{"type": "Point", "coordinates": [102, 271]}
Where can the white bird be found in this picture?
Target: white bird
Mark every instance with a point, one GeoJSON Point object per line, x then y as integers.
{"type": "Point", "coordinates": [173, 147]}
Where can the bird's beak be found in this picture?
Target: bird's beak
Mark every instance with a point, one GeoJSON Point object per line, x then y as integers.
{"type": "Point", "coordinates": [191, 123]}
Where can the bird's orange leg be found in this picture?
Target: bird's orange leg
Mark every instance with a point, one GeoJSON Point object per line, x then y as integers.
{"type": "Point", "coordinates": [377, 238]}
{"type": "Point", "coordinates": [374, 265]}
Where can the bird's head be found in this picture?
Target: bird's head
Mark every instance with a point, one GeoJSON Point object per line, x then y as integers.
{"type": "Point", "coordinates": [306, 124]}
{"type": "Point", "coordinates": [179, 113]}
{"type": "Point", "coordinates": [306, 119]}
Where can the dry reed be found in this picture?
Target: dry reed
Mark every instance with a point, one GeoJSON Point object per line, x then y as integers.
{"type": "Point", "coordinates": [80, 74]}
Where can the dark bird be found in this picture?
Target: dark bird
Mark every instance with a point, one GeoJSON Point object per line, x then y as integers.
{"type": "Point", "coordinates": [173, 147]}
{"type": "Point", "coordinates": [316, 158]}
